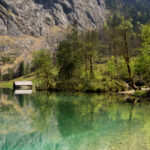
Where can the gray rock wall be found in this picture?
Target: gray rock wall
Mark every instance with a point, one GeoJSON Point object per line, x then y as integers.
{"type": "Point", "coordinates": [35, 17]}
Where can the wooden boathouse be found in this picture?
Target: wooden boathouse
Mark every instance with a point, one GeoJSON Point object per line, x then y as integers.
{"type": "Point", "coordinates": [22, 85]}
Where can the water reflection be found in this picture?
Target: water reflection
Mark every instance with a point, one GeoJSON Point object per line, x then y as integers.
{"type": "Point", "coordinates": [59, 121]}
{"type": "Point", "coordinates": [22, 92]}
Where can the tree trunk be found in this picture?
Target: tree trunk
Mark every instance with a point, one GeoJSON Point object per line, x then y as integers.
{"type": "Point", "coordinates": [91, 69]}
{"type": "Point", "coordinates": [130, 77]}
{"type": "Point", "coordinates": [127, 60]}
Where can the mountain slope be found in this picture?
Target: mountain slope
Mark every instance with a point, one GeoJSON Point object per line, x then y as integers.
{"type": "Point", "coordinates": [29, 25]}
{"type": "Point", "coordinates": [35, 17]}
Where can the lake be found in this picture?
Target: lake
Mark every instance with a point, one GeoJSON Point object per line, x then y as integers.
{"type": "Point", "coordinates": [72, 121]}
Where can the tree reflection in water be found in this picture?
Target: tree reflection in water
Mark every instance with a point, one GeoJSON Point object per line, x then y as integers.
{"type": "Point", "coordinates": [61, 121]}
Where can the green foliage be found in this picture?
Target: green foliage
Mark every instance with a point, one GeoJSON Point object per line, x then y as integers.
{"type": "Point", "coordinates": [139, 93]}
{"type": "Point", "coordinates": [142, 63]}
{"type": "Point", "coordinates": [42, 64]}
{"type": "Point", "coordinates": [6, 59]}
{"type": "Point", "coordinates": [10, 73]}
{"type": "Point", "coordinates": [111, 68]}
{"type": "Point", "coordinates": [21, 69]}
{"type": "Point", "coordinates": [76, 57]}
{"type": "Point", "coordinates": [138, 10]}
{"type": "Point", "coordinates": [0, 75]}
{"type": "Point", "coordinates": [116, 68]}
{"type": "Point", "coordinates": [90, 48]}
{"type": "Point", "coordinates": [94, 60]}
{"type": "Point", "coordinates": [145, 34]}
{"type": "Point", "coordinates": [121, 41]}
{"type": "Point", "coordinates": [27, 69]}
{"type": "Point", "coordinates": [69, 61]}
{"type": "Point", "coordinates": [119, 35]}
{"type": "Point", "coordinates": [123, 37]}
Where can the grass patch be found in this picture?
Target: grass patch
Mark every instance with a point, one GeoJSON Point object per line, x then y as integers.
{"type": "Point", "coordinates": [9, 84]}
{"type": "Point", "coordinates": [30, 77]}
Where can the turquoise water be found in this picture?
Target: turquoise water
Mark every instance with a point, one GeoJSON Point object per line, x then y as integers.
{"type": "Point", "coordinates": [58, 121]}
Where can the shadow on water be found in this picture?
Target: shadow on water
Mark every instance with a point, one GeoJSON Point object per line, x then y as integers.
{"type": "Point", "coordinates": [73, 121]}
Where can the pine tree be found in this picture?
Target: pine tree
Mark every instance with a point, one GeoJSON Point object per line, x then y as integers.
{"type": "Point", "coordinates": [69, 60]}
{"type": "Point", "coordinates": [10, 73]}
{"type": "Point", "coordinates": [21, 69]}
{"type": "Point", "coordinates": [42, 64]}
{"type": "Point", "coordinates": [27, 69]}
{"type": "Point", "coordinates": [0, 75]}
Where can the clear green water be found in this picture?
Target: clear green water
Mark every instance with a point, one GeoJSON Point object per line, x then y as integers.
{"type": "Point", "coordinates": [60, 121]}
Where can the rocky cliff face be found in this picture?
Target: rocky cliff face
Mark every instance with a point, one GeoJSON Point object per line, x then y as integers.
{"type": "Point", "coordinates": [35, 17]}
{"type": "Point", "coordinates": [29, 25]}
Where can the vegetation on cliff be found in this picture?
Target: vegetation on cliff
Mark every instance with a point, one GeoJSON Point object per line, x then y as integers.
{"type": "Point", "coordinates": [112, 59]}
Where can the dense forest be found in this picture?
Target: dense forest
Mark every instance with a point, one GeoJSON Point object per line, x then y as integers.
{"type": "Point", "coordinates": [138, 10]}
{"type": "Point", "coordinates": [114, 57]}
